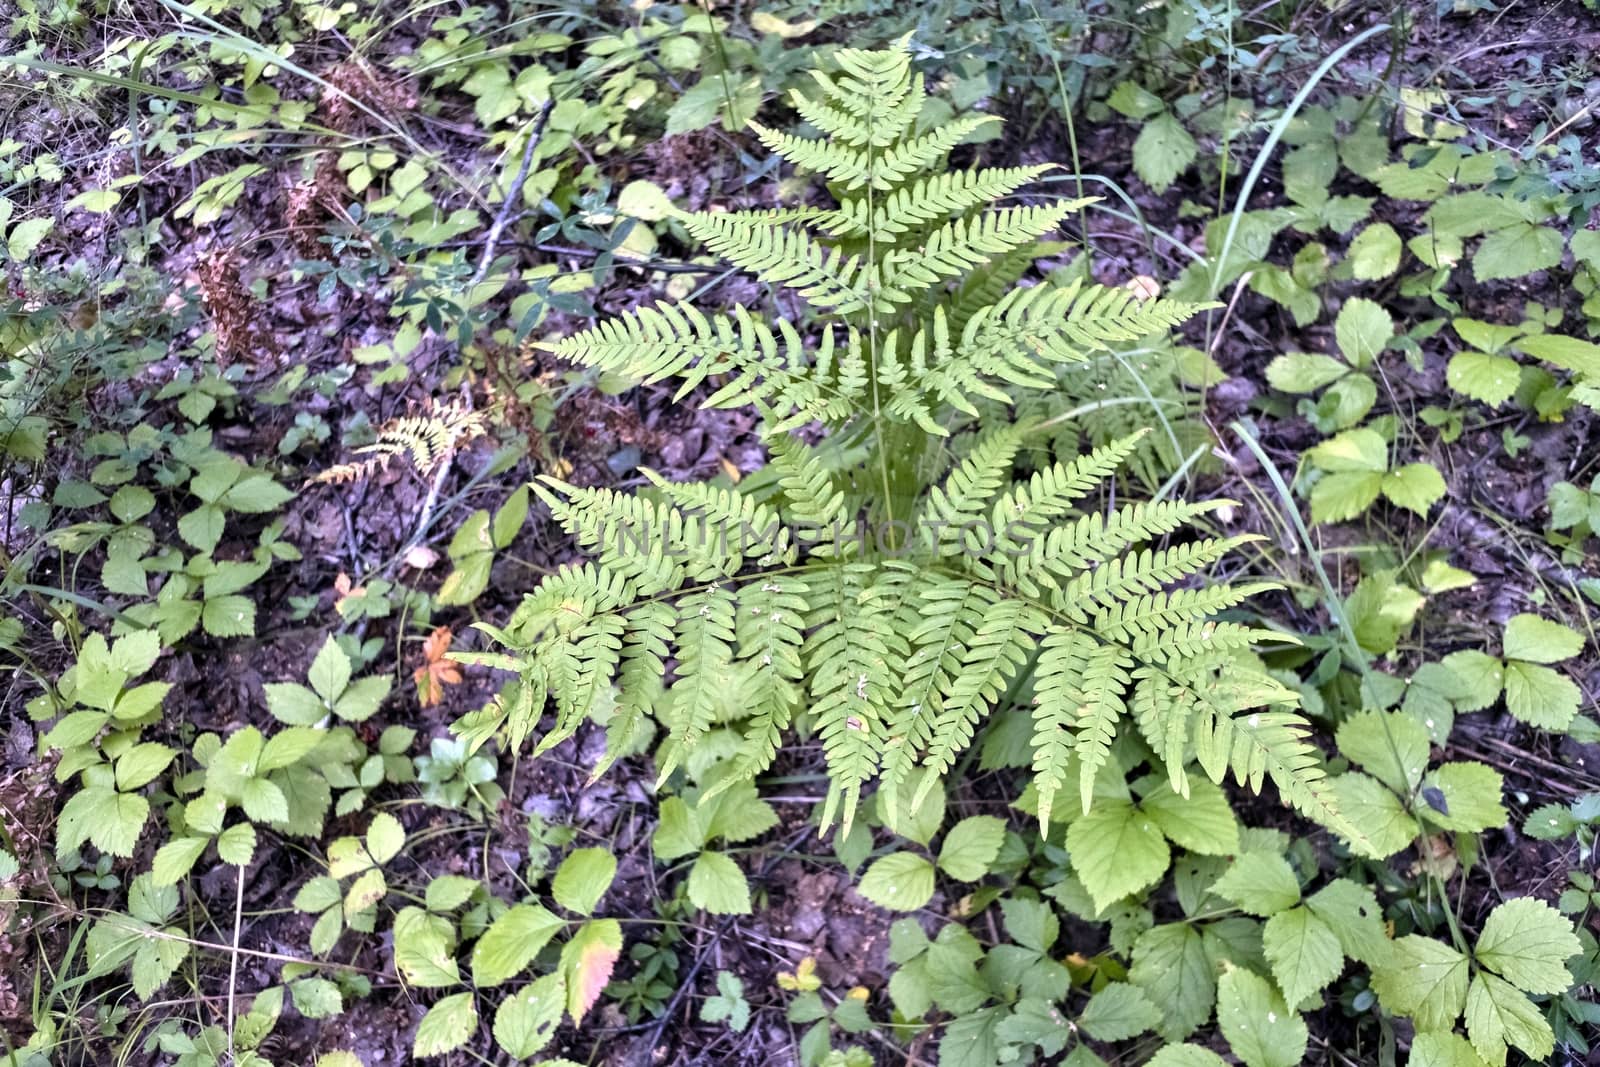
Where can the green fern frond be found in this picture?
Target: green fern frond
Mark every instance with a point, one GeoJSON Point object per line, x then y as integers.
{"type": "Point", "coordinates": [1063, 658]}
{"type": "Point", "coordinates": [704, 672]}
{"type": "Point", "coordinates": [929, 199]}
{"type": "Point", "coordinates": [958, 247]}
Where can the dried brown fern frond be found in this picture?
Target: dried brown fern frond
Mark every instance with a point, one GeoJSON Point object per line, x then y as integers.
{"type": "Point", "coordinates": [426, 439]}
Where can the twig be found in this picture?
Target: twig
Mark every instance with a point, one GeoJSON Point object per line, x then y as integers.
{"type": "Point", "coordinates": [233, 960]}
{"type": "Point", "coordinates": [513, 194]}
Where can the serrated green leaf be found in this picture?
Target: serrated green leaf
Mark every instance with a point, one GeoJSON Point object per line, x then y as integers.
{"type": "Point", "coordinates": [1425, 979]}
{"type": "Point", "coordinates": [512, 942]}
{"type": "Point", "coordinates": [971, 846]}
{"type": "Point", "coordinates": [385, 838]}
{"type": "Point", "coordinates": [1517, 250]}
{"type": "Point", "coordinates": [1540, 696]}
{"type": "Point", "coordinates": [1304, 372]}
{"type": "Point", "coordinates": [1487, 379]}
{"type": "Point", "coordinates": [1414, 486]}
{"type": "Point", "coordinates": [1498, 1014]}
{"type": "Point", "coordinates": [583, 878]}
{"type": "Point", "coordinates": [1171, 965]}
{"type": "Point", "coordinates": [527, 1020]}
{"type": "Point", "coordinates": [1116, 850]}
{"type": "Point", "coordinates": [446, 1027]}
{"type": "Point", "coordinates": [1203, 822]}
{"type": "Point", "coordinates": [1163, 150]}
{"type": "Point", "coordinates": [1259, 1027]}
{"type": "Point", "coordinates": [1261, 883]}
{"type": "Point", "coordinates": [1352, 912]}
{"type": "Point", "coordinates": [717, 885]}
{"type": "Point", "coordinates": [1362, 330]}
{"type": "Point", "coordinates": [1371, 805]}
{"type": "Point", "coordinates": [1388, 745]}
{"type": "Point", "coordinates": [1119, 1011]}
{"type": "Point", "coordinates": [586, 964]}
{"type": "Point", "coordinates": [1374, 252]}
{"type": "Point", "coordinates": [237, 844]}
{"type": "Point", "coordinates": [1464, 797]}
{"type": "Point", "coordinates": [900, 881]}
{"type": "Point", "coordinates": [177, 858]}
{"type": "Point", "coordinates": [1537, 640]}
{"type": "Point", "coordinates": [1527, 942]}
{"type": "Point", "coordinates": [1304, 952]}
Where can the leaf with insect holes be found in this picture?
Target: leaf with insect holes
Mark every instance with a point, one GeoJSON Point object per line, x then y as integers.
{"type": "Point", "coordinates": [527, 1020]}
{"type": "Point", "coordinates": [586, 963]}
{"type": "Point", "coordinates": [436, 671]}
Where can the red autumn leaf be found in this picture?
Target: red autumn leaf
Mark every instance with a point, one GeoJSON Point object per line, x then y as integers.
{"type": "Point", "coordinates": [436, 672]}
{"type": "Point", "coordinates": [587, 961]}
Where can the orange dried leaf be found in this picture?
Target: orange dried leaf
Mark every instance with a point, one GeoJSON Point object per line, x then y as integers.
{"type": "Point", "coordinates": [436, 671]}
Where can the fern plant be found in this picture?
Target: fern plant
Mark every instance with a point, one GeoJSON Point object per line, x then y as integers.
{"type": "Point", "coordinates": [940, 584]}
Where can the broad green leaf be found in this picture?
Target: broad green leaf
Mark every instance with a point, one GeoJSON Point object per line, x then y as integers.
{"type": "Point", "coordinates": [1443, 1050]}
{"type": "Point", "coordinates": [25, 236]}
{"type": "Point", "coordinates": [177, 858]}
{"type": "Point", "coordinates": [644, 200]}
{"type": "Point", "coordinates": [330, 672]}
{"type": "Point", "coordinates": [1261, 1030]}
{"type": "Point", "coordinates": [1116, 850]}
{"type": "Point", "coordinates": [511, 943]}
{"type": "Point", "coordinates": [1464, 797]}
{"type": "Point", "coordinates": [527, 1020]}
{"type": "Point", "coordinates": [1163, 150]}
{"type": "Point", "coordinates": [1517, 250]}
{"type": "Point", "coordinates": [1185, 1056]}
{"type": "Point", "coordinates": [237, 844]}
{"type": "Point", "coordinates": [1569, 353]}
{"type": "Point", "coordinates": [318, 894]}
{"type": "Point", "coordinates": [449, 891]}
{"type": "Point", "coordinates": [1261, 883]}
{"type": "Point", "coordinates": [1360, 450]}
{"type": "Point", "coordinates": [1474, 679]}
{"type": "Point", "coordinates": [1304, 952]}
{"type": "Point", "coordinates": [1351, 911]}
{"type": "Point", "coordinates": [586, 963]}
{"type": "Point", "coordinates": [1362, 330]}
{"type": "Point", "coordinates": [1415, 487]}
{"type": "Point", "coordinates": [1171, 965]}
{"type": "Point", "coordinates": [112, 821]}
{"type": "Point", "coordinates": [424, 947]}
{"type": "Point", "coordinates": [361, 698]}
{"type": "Point", "coordinates": [583, 878]}
{"type": "Point", "coordinates": [263, 801]}
{"type": "Point", "coordinates": [447, 1026]}
{"type": "Point", "coordinates": [717, 885]}
{"type": "Point", "coordinates": [1119, 1011]}
{"type": "Point", "coordinates": [678, 830]}
{"type": "Point", "coordinates": [1203, 822]}
{"type": "Point", "coordinates": [1030, 923]}
{"type": "Point", "coordinates": [1374, 253]}
{"type": "Point", "coordinates": [1133, 101]}
{"type": "Point", "coordinates": [1425, 979]}
{"type": "Point", "coordinates": [294, 704]}
{"type": "Point", "coordinates": [316, 998]}
{"type": "Point", "coordinates": [1537, 640]}
{"type": "Point", "coordinates": [140, 765]}
{"type": "Point", "coordinates": [1540, 696]}
{"type": "Point", "coordinates": [900, 881]}
{"type": "Point", "coordinates": [1390, 746]}
{"type": "Point", "coordinates": [229, 616]}
{"type": "Point", "coordinates": [384, 838]}
{"type": "Point", "coordinates": [1527, 942]}
{"type": "Point", "coordinates": [971, 846]}
{"type": "Point", "coordinates": [1304, 372]}
{"type": "Point", "coordinates": [1371, 805]}
{"type": "Point", "coordinates": [1344, 495]}
{"type": "Point", "coordinates": [1498, 1014]}
{"type": "Point", "coordinates": [1487, 379]}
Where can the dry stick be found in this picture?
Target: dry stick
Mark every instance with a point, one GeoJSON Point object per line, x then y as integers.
{"type": "Point", "coordinates": [233, 961]}
{"type": "Point", "coordinates": [513, 194]}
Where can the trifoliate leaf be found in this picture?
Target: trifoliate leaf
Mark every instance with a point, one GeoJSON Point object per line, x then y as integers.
{"type": "Point", "coordinates": [1261, 883]}
{"type": "Point", "coordinates": [900, 881]}
{"type": "Point", "coordinates": [1259, 1027]}
{"type": "Point", "coordinates": [1537, 640]}
{"type": "Point", "coordinates": [1527, 942]}
{"type": "Point", "coordinates": [1425, 979]}
{"type": "Point", "coordinates": [1304, 952]}
{"type": "Point", "coordinates": [971, 846]}
{"type": "Point", "coordinates": [583, 878]}
{"type": "Point", "coordinates": [717, 885]}
{"type": "Point", "coordinates": [1116, 850]}
{"type": "Point", "coordinates": [1487, 379]}
{"type": "Point", "coordinates": [1119, 1011]}
{"type": "Point", "coordinates": [1162, 151]}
